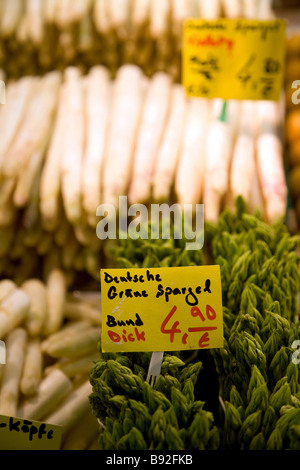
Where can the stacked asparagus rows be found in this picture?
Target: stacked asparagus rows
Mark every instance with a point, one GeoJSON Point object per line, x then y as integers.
{"type": "Point", "coordinates": [258, 369]}
{"type": "Point", "coordinates": [71, 142]}
{"type": "Point", "coordinates": [43, 35]}
{"type": "Point", "coordinates": [51, 341]}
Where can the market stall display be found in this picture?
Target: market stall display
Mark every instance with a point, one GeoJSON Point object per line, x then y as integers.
{"type": "Point", "coordinates": [95, 110]}
{"type": "Point", "coordinates": [51, 339]}
{"type": "Point", "coordinates": [59, 166]}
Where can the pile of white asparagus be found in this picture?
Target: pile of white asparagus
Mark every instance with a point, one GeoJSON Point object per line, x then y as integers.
{"type": "Point", "coordinates": [51, 342]}
{"type": "Point", "coordinates": [70, 142]}
{"type": "Point", "coordinates": [50, 34]}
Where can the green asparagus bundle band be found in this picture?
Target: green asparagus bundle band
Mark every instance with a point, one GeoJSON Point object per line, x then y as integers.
{"type": "Point", "coordinates": [257, 379]}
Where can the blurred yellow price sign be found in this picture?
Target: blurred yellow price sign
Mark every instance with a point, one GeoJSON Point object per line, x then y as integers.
{"type": "Point", "coordinates": [161, 309]}
{"type": "Point", "coordinates": [234, 59]}
{"type": "Point", "coordinates": [24, 434]}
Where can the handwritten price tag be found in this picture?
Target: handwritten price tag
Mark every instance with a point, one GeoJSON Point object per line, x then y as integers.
{"type": "Point", "coordinates": [161, 309]}
{"type": "Point", "coordinates": [234, 59]}
{"type": "Point", "coordinates": [24, 434]}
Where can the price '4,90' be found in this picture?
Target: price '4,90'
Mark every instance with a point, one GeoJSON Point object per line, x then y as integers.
{"type": "Point", "coordinates": [203, 342]}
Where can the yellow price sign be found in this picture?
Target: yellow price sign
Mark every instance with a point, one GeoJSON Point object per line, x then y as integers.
{"type": "Point", "coordinates": [234, 59]}
{"type": "Point", "coordinates": [161, 309]}
{"type": "Point", "coordinates": [25, 434]}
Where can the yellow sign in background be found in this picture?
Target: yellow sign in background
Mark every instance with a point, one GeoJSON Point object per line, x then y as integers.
{"type": "Point", "coordinates": [161, 309]}
{"type": "Point", "coordinates": [234, 59]}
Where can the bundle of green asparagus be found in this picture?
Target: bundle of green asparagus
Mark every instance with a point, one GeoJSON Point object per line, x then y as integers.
{"type": "Point", "coordinates": [258, 383]}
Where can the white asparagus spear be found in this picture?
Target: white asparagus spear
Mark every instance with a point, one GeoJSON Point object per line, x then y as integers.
{"type": "Point", "coordinates": [7, 286]}
{"type": "Point", "coordinates": [160, 15]}
{"type": "Point", "coordinates": [243, 164]}
{"type": "Point", "coordinates": [128, 96]}
{"type": "Point", "coordinates": [18, 96]}
{"type": "Point", "coordinates": [168, 154]}
{"type": "Point", "coordinates": [251, 9]}
{"type": "Point", "coordinates": [119, 16]}
{"type": "Point", "coordinates": [28, 179]}
{"type": "Point", "coordinates": [34, 11]}
{"type": "Point", "coordinates": [192, 158]}
{"type": "Point", "coordinates": [56, 296]}
{"type": "Point", "coordinates": [51, 174]}
{"type": "Point", "coordinates": [67, 331]}
{"type": "Point", "coordinates": [50, 7]}
{"type": "Point", "coordinates": [38, 310]}
{"type": "Point", "coordinates": [10, 17]}
{"type": "Point", "coordinates": [76, 345]}
{"type": "Point", "coordinates": [72, 409]}
{"type": "Point", "coordinates": [232, 8]}
{"type": "Point", "coordinates": [73, 145]}
{"type": "Point", "coordinates": [32, 368]}
{"type": "Point", "coordinates": [211, 9]}
{"type": "Point", "coordinates": [97, 108]}
{"type": "Point", "coordinates": [35, 124]}
{"type": "Point", "coordinates": [77, 366]}
{"type": "Point", "coordinates": [79, 310]}
{"type": "Point", "coordinates": [102, 17]}
{"type": "Point", "coordinates": [13, 311]}
{"type": "Point", "coordinates": [265, 10]}
{"type": "Point", "coordinates": [140, 16]}
{"type": "Point", "coordinates": [10, 384]}
{"type": "Point", "coordinates": [80, 10]}
{"type": "Point", "coordinates": [270, 160]}
{"type": "Point", "coordinates": [219, 152]}
{"type": "Point", "coordinates": [51, 392]}
{"type": "Point", "coordinates": [152, 127]}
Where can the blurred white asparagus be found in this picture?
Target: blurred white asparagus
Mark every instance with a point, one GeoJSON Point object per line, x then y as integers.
{"type": "Point", "coordinates": [243, 163]}
{"type": "Point", "coordinates": [75, 345]}
{"type": "Point", "coordinates": [118, 11]}
{"type": "Point", "coordinates": [51, 175]}
{"type": "Point", "coordinates": [168, 153]}
{"type": "Point", "coordinates": [78, 365]}
{"type": "Point", "coordinates": [140, 17]}
{"type": "Point", "coordinates": [13, 311]}
{"type": "Point", "coordinates": [18, 95]}
{"type": "Point", "coordinates": [82, 311]}
{"type": "Point", "coordinates": [219, 147]}
{"type": "Point", "coordinates": [269, 151]}
{"type": "Point", "coordinates": [211, 9]}
{"type": "Point", "coordinates": [10, 384]}
{"type": "Point", "coordinates": [73, 145]}
{"type": "Point", "coordinates": [72, 409]}
{"type": "Point", "coordinates": [7, 286]}
{"type": "Point", "coordinates": [97, 112]}
{"type": "Point", "coordinates": [128, 94]}
{"type": "Point", "coordinates": [34, 11]}
{"type": "Point", "coordinates": [101, 17]}
{"type": "Point", "coordinates": [51, 391]}
{"type": "Point", "coordinates": [232, 8]}
{"type": "Point", "coordinates": [35, 125]}
{"type": "Point", "coordinates": [10, 17]}
{"type": "Point", "coordinates": [192, 160]}
{"type": "Point", "coordinates": [38, 310]}
{"type": "Point", "coordinates": [56, 296]}
{"type": "Point", "coordinates": [32, 368]}
{"type": "Point", "coordinates": [65, 332]}
{"type": "Point", "coordinates": [160, 15]}
{"type": "Point", "coordinates": [251, 9]}
{"type": "Point", "coordinates": [151, 130]}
